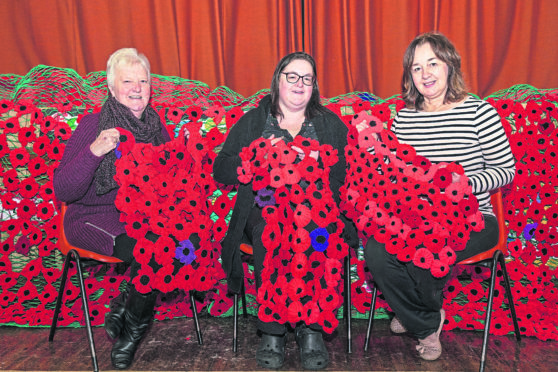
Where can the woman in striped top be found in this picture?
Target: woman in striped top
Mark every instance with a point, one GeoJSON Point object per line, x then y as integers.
{"type": "Point", "coordinates": [445, 124]}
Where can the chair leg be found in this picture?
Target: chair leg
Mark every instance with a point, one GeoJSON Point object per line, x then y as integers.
{"type": "Point", "coordinates": [370, 317]}
{"type": "Point", "coordinates": [235, 323]}
{"type": "Point", "coordinates": [488, 314]}
{"type": "Point", "coordinates": [196, 321]}
{"type": "Point", "coordinates": [348, 302]}
{"type": "Point", "coordinates": [244, 309]}
{"type": "Point", "coordinates": [73, 254]}
{"type": "Point", "coordinates": [507, 286]}
{"type": "Point", "coordinates": [59, 298]}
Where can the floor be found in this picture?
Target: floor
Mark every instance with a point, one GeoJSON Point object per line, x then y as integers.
{"type": "Point", "coordinates": [172, 346]}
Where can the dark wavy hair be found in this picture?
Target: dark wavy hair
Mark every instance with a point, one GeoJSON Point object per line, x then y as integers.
{"type": "Point", "coordinates": [445, 51]}
{"type": "Point", "coordinates": [314, 107]}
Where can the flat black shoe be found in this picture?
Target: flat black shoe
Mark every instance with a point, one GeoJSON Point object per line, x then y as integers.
{"type": "Point", "coordinates": [313, 352]}
{"type": "Point", "coordinates": [271, 351]}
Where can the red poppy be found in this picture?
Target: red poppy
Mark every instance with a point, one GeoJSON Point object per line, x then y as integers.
{"type": "Point", "coordinates": [19, 157]}
{"type": "Point", "coordinates": [534, 111]}
{"type": "Point", "coordinates": [40, 145]}
{"type": "Point", "coordinates": [55, 150]}
{"type": "Point", "coordinates": [26, 209]}
{"type": "Point", "coordinates": [45, 210]}
{"type": "Point", "coordinates": [299, 265]}
{"type": "Point", "coordinates": [439, 269]}
{"type": "Point", "coordinates": [28, 188]}
{"type": "Point", "coordinates": [233, 115]}
{"type": "Point", "coordinates": [332, 272]}
{"type": "Point", "coordinates": [62, 130]}
{"type": "Point", "coordinates": [381, 111]}
{"type": "Point", "coordinates": [302, 215]}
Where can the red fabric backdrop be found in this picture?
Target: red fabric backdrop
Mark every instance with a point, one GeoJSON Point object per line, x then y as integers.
{"type": "Point", "coordinates": [358, 44]}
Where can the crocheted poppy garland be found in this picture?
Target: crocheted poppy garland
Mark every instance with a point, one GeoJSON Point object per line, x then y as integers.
{"type": "Point", "coordinates": [165, 190]}
{"type": "Point", "coordinates": [302, 268]}
{"type": "Point", "coordinates": [406, 202]}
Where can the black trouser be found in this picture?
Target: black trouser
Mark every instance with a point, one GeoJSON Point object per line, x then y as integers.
{"type": "Point", "coordinates": [413, 293]}
{"type": "Point", "coordinates": [124, 250]}
{"type": "Point", "coordinates": [254, 230]}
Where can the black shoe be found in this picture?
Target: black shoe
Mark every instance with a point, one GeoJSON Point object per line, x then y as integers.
{"type": "Point", "coordinates": [137, 317]}
{"type": "Point", "coordinates": [271, 352]}
{"type": "Point", "coordinates": [114, 320]}
{"type": "Point", "coordinates": [313, 353]}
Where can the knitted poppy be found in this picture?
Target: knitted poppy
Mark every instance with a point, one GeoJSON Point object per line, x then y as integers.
{"type": "Point", "coordinates": [329, 299]}
{"type": "Point", "coordinates": [185, 252]}
{"type": "Point", "coordinates": [28, 188]}
{"type": "Point", "coordinates": [10, 126]}
{"type": "Point", "coordinates": [45, 210]}
{"type": "Point", "coordinates": [368, 138]}
{"type": "Point", "coordinates": [62, 131]}
{"type": "Point", "coordinates": [233, 115]}
{"type": "Point", "coordinates": [302, 241]}
{"type": "Point", "coordinates": [26, 209]}
{"type": "Point", "coordinates": [19, 157]}
{"type": "Point", "coordinates": [194, 113]}
{"type": "Point", "coordinates": [319, 239]}
{"type": "Point", "coordinates": [332, 272]}
{"type": "Point", "coordinates": [422, 162]}
{"type": "Point", "coordinates": [270, 236]}
{"type": "Point", "coordinates": [25, 136]}
{"type": "Point", "coordinates": [423, 258]}
{"type": "Point", "coordinates": [55, 150]}
{"type": "Point", "coordinates": [302, 215]}
{"type": "Point", "coordinates": [142, 281]}
{"type": "Point", "coordinates": [261, 178]}
{"type": "Point", "coordinates": [468, 206]}
{"type": "Point", "coordinates": [264, 197]}
{"type": "Point", "coordinates": [297, 194]}
{"type": "Point", "coordinates": [299, 265]}
{"type": "Point", "coordinates": [27, 292]}
{"type": "Point", "coordinates": [328, 156]}
{"type": "Point", "coordinates": [381, 111]}
{"type": "Point", "coordinates": [439, 269]}
{"type": "Point", "coordinates": [37, 166]}
{"type": "Point", "coordinates": [276, 179]}
{"type": "Point", "coordinates": [22, 245]}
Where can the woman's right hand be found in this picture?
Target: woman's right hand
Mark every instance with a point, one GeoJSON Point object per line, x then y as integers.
{"type": "Point", "coordinates": [105, 142]}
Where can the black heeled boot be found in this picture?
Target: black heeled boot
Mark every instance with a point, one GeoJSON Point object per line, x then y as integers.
{"type": "Point", "coordinates": [137, 317]}
{"type": "Point", "coordinates": [114, 320]}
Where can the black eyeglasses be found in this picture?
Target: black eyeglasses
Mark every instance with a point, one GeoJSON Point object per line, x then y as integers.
{"type": "Point", "coordinates": [293, 78]}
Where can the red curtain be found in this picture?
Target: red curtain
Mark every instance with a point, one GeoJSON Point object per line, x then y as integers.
{"type": "Point", "coordinates": [358, 44]}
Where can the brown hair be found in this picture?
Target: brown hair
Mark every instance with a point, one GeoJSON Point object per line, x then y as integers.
{"type": "Point", "coordinates": [445, 51]}
{"type": "Point", "coordinates": [314, 106]}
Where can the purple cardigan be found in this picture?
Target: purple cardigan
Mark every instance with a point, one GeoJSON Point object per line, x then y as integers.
{"type": "Point", "coordinates": [91, 222]}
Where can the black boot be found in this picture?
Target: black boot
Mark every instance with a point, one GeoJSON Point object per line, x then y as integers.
{"type": "Point", "coordinates": [137, 316]}
{"type": "Point", "coordinates": [313, 352]}
{"type": "Point", "coordinates": [114, 320]}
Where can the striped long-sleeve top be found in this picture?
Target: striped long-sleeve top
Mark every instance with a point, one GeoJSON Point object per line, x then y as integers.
{"type": "Point", "coordinates": [469, 134]}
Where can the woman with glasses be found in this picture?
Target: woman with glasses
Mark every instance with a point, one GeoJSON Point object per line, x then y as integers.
{"type": "Point", "coordinates": [292, 110]}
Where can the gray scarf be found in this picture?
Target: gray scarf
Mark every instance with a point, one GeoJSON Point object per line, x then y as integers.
{"type": "Point", "coordinates": [147, 130]}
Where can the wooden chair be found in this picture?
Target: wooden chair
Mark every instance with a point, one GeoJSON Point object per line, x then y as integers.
{"type": "Point", "coordinates": [489, 259]}
{"type": "Point", "coordinates": [84, 258]}
{"type": "Point", "coordinates": [248, 249]}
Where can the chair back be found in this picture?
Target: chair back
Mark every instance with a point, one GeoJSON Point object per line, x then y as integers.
{"type": "Point", "coordinates": [64, 246]}
{"type": "Point", "coordinates": [502, 245]}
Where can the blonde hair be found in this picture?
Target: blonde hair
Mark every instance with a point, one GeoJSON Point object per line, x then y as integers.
{"type": "Point", "coordinates": [126, 56]}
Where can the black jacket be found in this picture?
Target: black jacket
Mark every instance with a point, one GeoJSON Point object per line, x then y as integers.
{"type": "Point", "coordinates": [330, 130]}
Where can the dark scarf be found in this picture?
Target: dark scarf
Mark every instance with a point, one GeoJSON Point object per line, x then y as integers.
{"type": "Point", "coordinates": [147, 130]}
